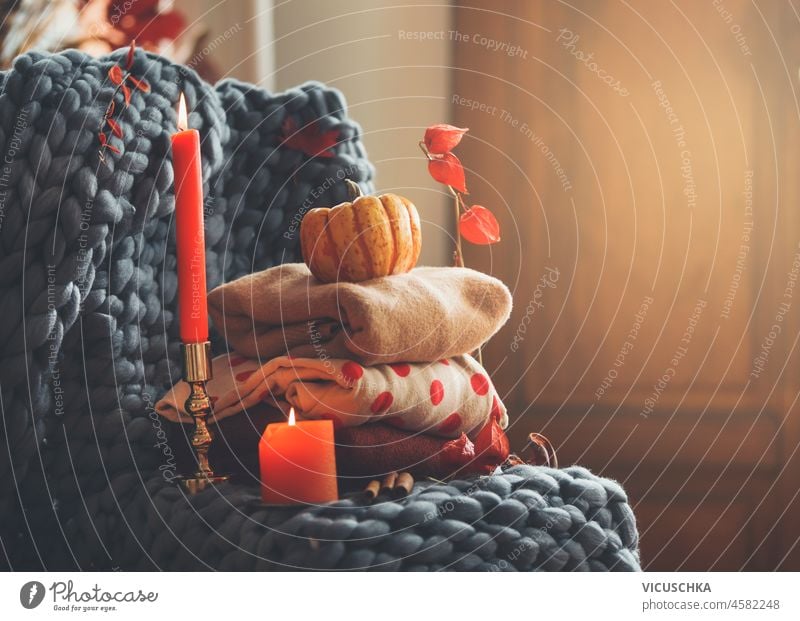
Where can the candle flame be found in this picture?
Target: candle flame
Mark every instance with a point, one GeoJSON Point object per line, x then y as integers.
{"type": "Point", "coordinates": [291, 417]}
{"type": "Point", "coordinates": [183, 120]}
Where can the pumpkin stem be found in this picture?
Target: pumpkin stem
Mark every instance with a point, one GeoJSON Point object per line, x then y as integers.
{"type": "Point", "coordinates": [353, 188]}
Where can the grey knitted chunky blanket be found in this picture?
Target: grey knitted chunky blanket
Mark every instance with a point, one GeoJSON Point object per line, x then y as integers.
{"type": "Point", "coordinates": [89, 342]}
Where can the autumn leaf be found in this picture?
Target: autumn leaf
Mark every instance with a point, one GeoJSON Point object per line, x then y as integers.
{"type": "Point", "coordinates": [121, 79]}
{"type": "Point", "coordinates": [443, 138]}
{"type": "Point", "coordinates": [129, 58]}
{"type": "Point", "coordinates": [115, 75]}
{"type": "Point", "coordinates": [104, 143]}
{"type": "Point", "coordinates": [140, 84]}
{"type": "Point", "coordinates": [491, 449]}
{"type": "Point", "coordinates": [310, 139]}
{"type": "Point", "coordinates": [479, 226]}
{"type": "Point", "coordinates": [459, 451]}
{"type": "Point", "coordinates": [541, 450]}
{"type": "Point", "coordinates": [115, 128]}
{"type": "Point", "coordinates": [446, 168]}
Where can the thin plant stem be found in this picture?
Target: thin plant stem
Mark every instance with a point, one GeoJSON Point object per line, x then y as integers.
{"type": "Point", "coordinates": [458, 255]}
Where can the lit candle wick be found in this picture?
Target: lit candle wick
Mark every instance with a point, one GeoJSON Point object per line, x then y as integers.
{"type": "Point", "coordinates": [183, 120]}
{"type": "Point", "coordinates": [291, 417]}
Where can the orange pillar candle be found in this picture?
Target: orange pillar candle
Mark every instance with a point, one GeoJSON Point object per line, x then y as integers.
{"type": "Point", "coordinates": [190, 236]}
{"type": "Point", "coordinates": [298, 462]}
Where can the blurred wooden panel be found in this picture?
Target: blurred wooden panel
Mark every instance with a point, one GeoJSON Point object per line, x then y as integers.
{"type": "Point", "coordinates": [625, 441]}
{"type": "Point", "coordinates": [646, 152]}
{"type": "Point", "coordinates": [696, 534]}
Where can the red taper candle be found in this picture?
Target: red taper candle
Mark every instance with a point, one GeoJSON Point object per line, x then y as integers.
{"type": "Point", "coordinates": [192, 303]}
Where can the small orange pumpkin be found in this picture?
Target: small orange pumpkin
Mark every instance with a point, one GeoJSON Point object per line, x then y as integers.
{"type": "Point", "coordinates": [369, 237]}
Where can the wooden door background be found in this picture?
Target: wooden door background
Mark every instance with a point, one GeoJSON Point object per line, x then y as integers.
{"type": "Point", "coordinates": [643, 160]}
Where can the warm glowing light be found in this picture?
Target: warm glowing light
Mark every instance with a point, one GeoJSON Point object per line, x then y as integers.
{"type": "Point", "coordinates": [291, 416]}
{"type": "Point", "coordinates": [183, 121]}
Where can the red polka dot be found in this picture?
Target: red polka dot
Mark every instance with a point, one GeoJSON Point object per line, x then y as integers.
{"type": "Point", "coordinates": [394, 421]}
{"type": "Point", "coordinates": [480, 383]}
{"type": "Point", "coordinates": [445, 362]}
{"type": "Point", "coordinates": [352, 371]}
{"type": "Point", "coordinates": [240, 377]}
{"type": "Point", "coordinates": [382, 402]}
{"type": "Point", "coordinates": [451, 423]}
{"type": "Point", "coordinates": [337, 422]}
{"type": "Point", "coordinates": [437, 392]}
{"type": "Point", "coordinates": [401, 368]}
{"type": "Point", "coordinates": [497, 413]}
{"type": "Point", "coordinates": [237, 360]}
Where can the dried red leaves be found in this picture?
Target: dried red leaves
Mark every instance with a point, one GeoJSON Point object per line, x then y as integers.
{"type": "Point", "coordinates": [479, 226]}
{"type": "Point", "coordinates": [115, 75]}
{"type": "Point", "coordinates": [309, 139]}
{"type": "Point", "coordinates": [443, 138]}
{"type": "Point", "coordinates": [121, 78]}
{"type": "Point", "coordinates": [443, 166]}
{"type": "Point", "coordinates": [446, 168]}
{"type": "Point", "coordinates": [476, 224]}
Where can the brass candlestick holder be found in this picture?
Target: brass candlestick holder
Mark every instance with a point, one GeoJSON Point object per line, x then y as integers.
{"type": "Point", "coordinates": [196, 372]}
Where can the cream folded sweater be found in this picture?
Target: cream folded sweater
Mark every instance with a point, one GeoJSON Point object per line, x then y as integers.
{"type": "Point", "coordinates": [422, 316]}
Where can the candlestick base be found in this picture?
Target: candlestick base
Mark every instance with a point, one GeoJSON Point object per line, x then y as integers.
{"type": "Point", "coordinates": [195, 485]}
{"type": "Point", "coordinates": [196, 372]}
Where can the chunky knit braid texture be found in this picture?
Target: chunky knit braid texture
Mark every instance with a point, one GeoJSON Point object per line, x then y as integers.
{"type": "Point", "coordinates": [88, 343]}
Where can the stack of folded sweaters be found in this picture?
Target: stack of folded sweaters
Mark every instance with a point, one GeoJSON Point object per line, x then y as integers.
{"type": "Point", "coordinates": [386, 360]}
